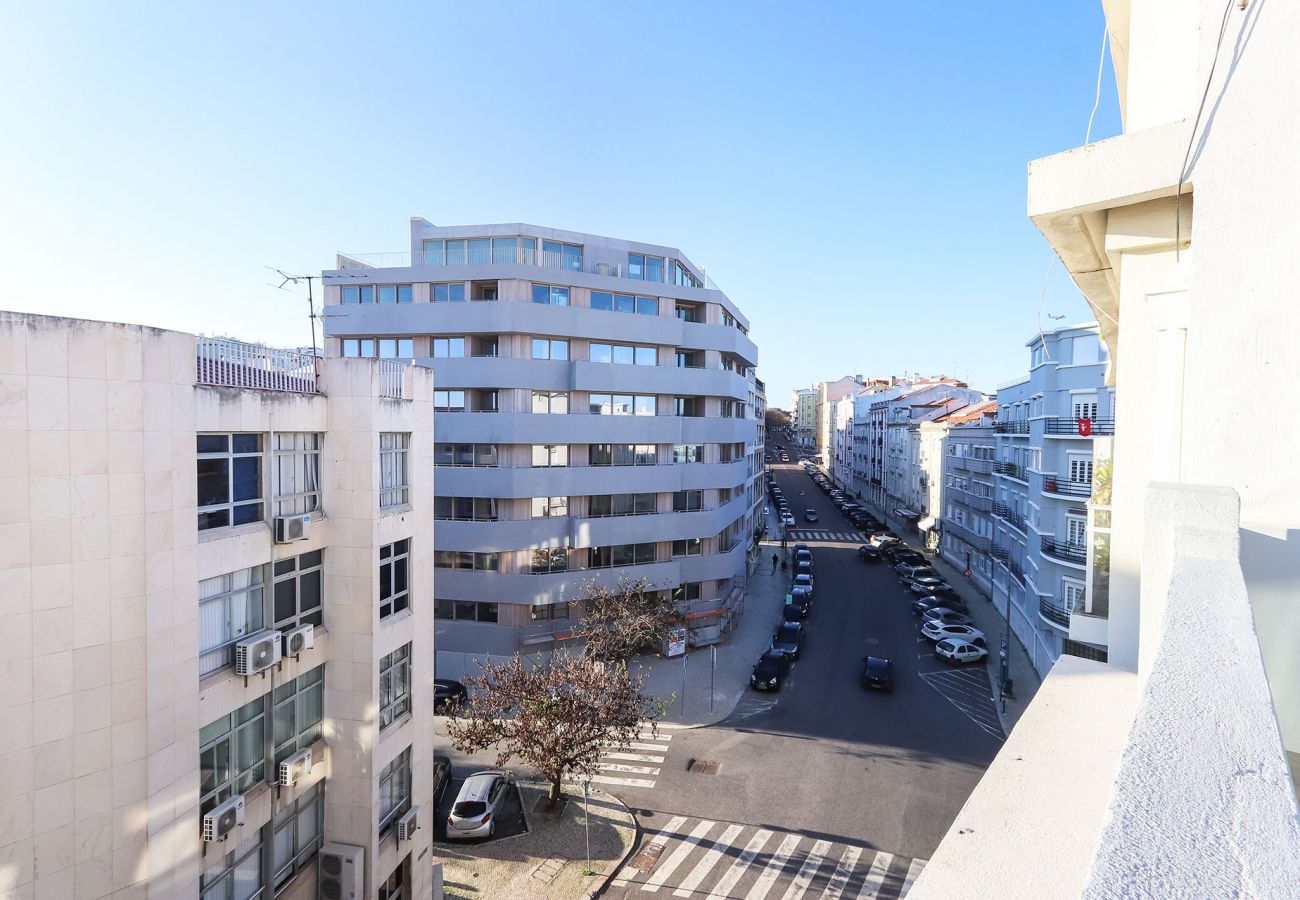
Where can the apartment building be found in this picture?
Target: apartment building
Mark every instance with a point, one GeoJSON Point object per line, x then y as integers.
{"type": "Point", "coordinates": [803, 414]}
{"type": "Point", "coordinates": [596, 417]}
{"type": "Point", "coordinates": [827, 394]}
{"type": "Point", "coordinates": [215, 647]}
{"type": "Point", "coordinates": [840, 463]}
{"type": "Point", "coordinates": [970, 448]}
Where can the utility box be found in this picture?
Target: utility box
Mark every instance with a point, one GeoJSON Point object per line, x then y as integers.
{"type": "Point", "coordinates": [675, 642]}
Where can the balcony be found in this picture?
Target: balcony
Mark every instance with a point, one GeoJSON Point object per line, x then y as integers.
{"type": "Point", "coordinates": [1011, 517]}
{"type": "Point", "coordinates": [392, 379]}
{"type": "Point", "coordinates": [225, 363]}
{"type": "Point", "coordinates": [1066, 488]}
{"type": "Point", "coordinates": [976, 542]}
{"type": "Point", "coordinates": [1019, 426]}
{"type": "Point", "coordinates": [1067, 427]}
{"type": "Point", "coordinates": [1054, 612]}
{"type": "Point", "coordinates": [972, 464]}
{"type": "Point", "coordinates": [1062, 551]}
{"type": "Point", "coordinates": [1011, 470]}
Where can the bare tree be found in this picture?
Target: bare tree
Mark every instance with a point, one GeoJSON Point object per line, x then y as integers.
{"type": "Point", "coordinates": [558, 720]}
{"type": "Point", "coordinates": [627, 619]}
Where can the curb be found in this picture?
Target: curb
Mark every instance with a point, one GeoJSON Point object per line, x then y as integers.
{"type": "Point", "coordinates": [598, 889]}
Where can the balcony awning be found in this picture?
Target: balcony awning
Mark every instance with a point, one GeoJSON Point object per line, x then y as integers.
{"type": "Point", "coordinates": [927, 523]}
{"type": "Point", "coordinates": [904, 513]}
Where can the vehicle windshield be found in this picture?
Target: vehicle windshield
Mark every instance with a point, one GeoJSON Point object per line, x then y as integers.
{"type": "Point", "coordinates": [470, 809]}
{"type": "Point", "coordinates": [787, 634]}
{"type": "Point", "coordinates": [803, 580]}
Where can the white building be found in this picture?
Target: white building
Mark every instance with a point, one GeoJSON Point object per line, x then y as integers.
{"type": "Point", "coordinates": [596, 417]}
{"type": "Point", "coordinates": [803, 415]}
{"type": "Point", "coordinates": [967, 501]}
{"type": "Point", "coordinates": [176, 511]}
{"type": "Point", "coordinates": [827, 394]}
{"type": "Point", "coordinates": [1164, 772]}
{"type": "Point", "coordinates": [840, 464]}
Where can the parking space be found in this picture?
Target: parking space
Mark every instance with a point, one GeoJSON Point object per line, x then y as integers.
{"type": "Point", "coordinates": [510, 820]}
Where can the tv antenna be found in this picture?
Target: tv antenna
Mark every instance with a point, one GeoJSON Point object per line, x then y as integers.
{"type": "Point", "coordinates": [311, 301]}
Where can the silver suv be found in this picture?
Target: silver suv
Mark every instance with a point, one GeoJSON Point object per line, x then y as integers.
{"type": "Point", "coordinates": [478, 805]}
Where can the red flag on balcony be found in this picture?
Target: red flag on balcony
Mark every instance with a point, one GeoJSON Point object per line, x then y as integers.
{"type": "Point", "coordinates": [1085, 427]}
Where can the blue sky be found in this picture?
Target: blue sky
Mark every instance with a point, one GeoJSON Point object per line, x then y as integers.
{"type": "Point", "coordinates": [853, 175]}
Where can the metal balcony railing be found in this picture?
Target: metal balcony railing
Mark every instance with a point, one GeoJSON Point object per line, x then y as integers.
{"type": "Point", "coordinates": [1011, 470]}
{"type": "Point", "coordinates": [977, 542]}
{"type": "Point", "coordinates": [1064, 551]}
{"type": "Point", "coordinates": [392, 378]}
{"type": "Point", "coordinates": [1010, 516]}
{"type": "Point", "coordinates": [1017, 426]}
{"type": "Point", "coordinates": [1053, 611]}
{"type": "Point", "coordinates": [227, 363]}
{"type": "Point", "coordinates": [972, 464]}
{"type": "Point", "coordinates": [1052, 485]}
{"type": "Point", "coordinates": [1078, 427]}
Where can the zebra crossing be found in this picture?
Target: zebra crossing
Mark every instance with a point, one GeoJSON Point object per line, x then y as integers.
{"type": "Point", "coordinates": [813, 534]}
{"type": "Point", "coordinates": [636, 765]}
{"type": "Point", "coordinates": [708, 860]}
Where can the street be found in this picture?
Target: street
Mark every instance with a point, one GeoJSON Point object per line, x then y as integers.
{"type": "Point", "coordinates": [824, 788]}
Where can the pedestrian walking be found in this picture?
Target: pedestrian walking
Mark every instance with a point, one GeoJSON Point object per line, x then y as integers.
{"type": "Point", "coordinates": [775, 558]}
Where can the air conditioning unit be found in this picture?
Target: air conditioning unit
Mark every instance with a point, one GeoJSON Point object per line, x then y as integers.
{"type": "Point", "coordinates": [342, 872]}
{"type": "Point", "coordinates": [408, 824]}
{"type": "Point", "coordinates": [257, 653]}
{"type": "Point", "coordinates": [222, 818]}
{"type": "Point", "coordinates": [294, 767]}
{"type": "Point", "coordinates": [299, 639]}
{"type": "Point", "coordinates": [292, 528]}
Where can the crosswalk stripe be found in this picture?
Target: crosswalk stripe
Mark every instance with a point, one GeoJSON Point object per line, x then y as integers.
{"type": "Point", "coordinates": [656, 748]}
{"type": "Point", "coordinates": [665, 871]}
{"type": "Point", "coordinates": [647, 736]}
{"type": "Point", "coordinates": [811, 864]}
{"type": "Point", "coordinates": [912, 871]}
{"type": "Point", "coordinates": [780, 859]}
{"type": "Point", "coordinates": [840, 877]}
{"type": "Point", "coordinates": [660, 839]}
{"type": "Point", "coordinates": [876, 877]}
{"type": "Point", "coordinates": [627, 782]}
{"type": "Point", "coordinates": [630, 770]}
{"type": "Point", "coordinates": [708, 861]}
{"type": "Point", "coordinates": [738, 868]}
{"type": "Point", "coordinates": [633, 757]}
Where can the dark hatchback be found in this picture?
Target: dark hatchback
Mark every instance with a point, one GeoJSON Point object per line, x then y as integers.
{"type": "Point", "coordinates": [448, 695]}
{"type": "Point", "coordinates": [867, 553]}
{"type": "Point", "coordinates": [800, 605]}
{"type": "Point", "coordinates": [788, 640]}
{"type": "Point", "coordinates": [769, 671]}
{"type": "Point", "coordinates": [878, 673]}
{"type": "Point", "coordinates": [932, 601]}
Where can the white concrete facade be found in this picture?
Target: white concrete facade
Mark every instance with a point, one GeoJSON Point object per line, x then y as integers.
{"type": "Point", "coordinates": [121, 601]}
{"type": "Point", "coordinates": [970, 448]}
{"type": "Point", "coordinates": [803, 414]}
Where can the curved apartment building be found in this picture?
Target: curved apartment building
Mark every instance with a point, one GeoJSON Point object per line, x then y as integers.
{"type": "Point", "coordinates": [594, 416]}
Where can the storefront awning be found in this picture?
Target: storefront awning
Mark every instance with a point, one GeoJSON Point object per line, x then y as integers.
{"type": "Point", "coordinates": [904, 513]}
{"type": "Point", "coordinates": [927, 523]}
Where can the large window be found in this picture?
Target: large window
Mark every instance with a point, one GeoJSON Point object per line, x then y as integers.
{"type": "Point", "coordinates": [394, 886]}
{"type": "Point", "coordinates": [645, 268]}
{"type": "Point", "coordinates": [550, 402]}
{"type": "Point", "coordinates": [239, 876]}
{"type": "Point", "coordinates": [624, 354]}
{"type": "Point", "coordinates": [461, 559]}
{"type": "Point", "coordinates": [645, 306]}
{"type": "Point", "coordinates": [394, 686]}
{"type": "Point", "coordinates": [548, 349]}
{"type": "Point", "coordinates": [550, 559]}
{"type": "Point", "coordinates": [230, 608]}
{"type": "Point", "coordinates": [379, 347]}
{"type": "Point", "coordinates": [688, 453]}
{"type": "Point", "coordinates": [620, 405]}
{"type": "Point", "coordinates": [464, 610]}
{"type": "Point", "coordinates": [550, 455]}
{"type": "Point", "coordinates": [297, 831]}
{"type": "Point", "coordinates": [394, 581]}
{"type": "Point", "coordinates": [232, 754]}
{"type": "Point", "coordinates": [548, 507]}
{"type": "Point", "coordinates": [688, 406]}
{"type": "Point", "coordinates": [449, 293]}
{"type": "Point", "coordinates": [621, 455]}
{"type": "Point", "coordinates": [621, 505]}
{"type": "Point", "coordinates": [552, 612]}
{"type": "Point", "coordinates": [556, 255]}
{"type": "Point", "coordinates": [298, 591]}
{"type": "Point", "coordinates": [394, 486]}
{"type": "Point", "coordinates": [296, 486]}
{"type": "Point", "coordinates": [465, 455]}
{"type": "Point", "coordinates": [299, 706]}
{"type": "Point", "coordinates": [377, 293]}
{"type": "Point", "coordinates": [620, 555]}
{"type": "Point", "coordinates": [688, 547]}
{"type": "Point", "coordinates": [465, 509]}
{"type": "Point", "coordinates": [683, 275]}
{"type": "Point", "coordinates": [550, 295]}
{"type": "Point", "coordinates": [394, 790]}
{"type": "Point", "coordinates": [687, 501]}
{"type": "Point", "coordinates": [448, 401]}
{"type": "Point", "coordinates": [229, 479]}
{"type": "Point", "coordinates": [448, 348]}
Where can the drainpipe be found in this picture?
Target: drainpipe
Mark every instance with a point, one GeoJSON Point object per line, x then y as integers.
{"type": "Point", "coordinates": [1170, 309]}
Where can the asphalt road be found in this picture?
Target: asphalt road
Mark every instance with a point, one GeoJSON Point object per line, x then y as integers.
{"type": "Point", "coordinates": [823, 757]}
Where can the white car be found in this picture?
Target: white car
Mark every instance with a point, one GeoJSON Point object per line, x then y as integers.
{"type": "Point", "coordinates": [937, 631]}
{"type": "Point", "coordinates": [478, 805]}
{"type": "Point", "coordinates": [955, 650]}
{"type": "Point", "coordinates": [787, 520]}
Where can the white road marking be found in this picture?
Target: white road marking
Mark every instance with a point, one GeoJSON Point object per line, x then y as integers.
{"type": "Point", "coordinates": [912, 871]}
{"type": "Point", "coordinates": [723, 888]}
{"type": "Point", "coordinates": [814, 861]}
{"type": "Point", "coordinates": [660, 839]}
{"type": "Point", "coordinates": [708, 861]}
{"type": "Point", "coordinates": [630, 770]}
{"type": "Point", "coordinates": [626, 782]}
{"type": "Point", "coordinates": [876, 877]}
{"type": "Point", "coordinates": [647, 736]}
{"type": "Point", "coordinates": [665, 870]}
{"type": "Point", "coordinates": [654, 748]}
{"type": "Point", "coordinates": [840, 877]}
{"type": "Point", "coordinates": [780, 859]}
{"type": "Point", "coordinates": [633, 757]}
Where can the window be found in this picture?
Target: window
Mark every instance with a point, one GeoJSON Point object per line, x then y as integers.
{"type": "Point", "coordinates": [683, 275]}
{"type": "Point", "coordinates": [553, 402]}
{"type": "Point", "coordinates": [620, 555]}
{"type": "Point", "coordinates": [297, 591]}
{"type": "Point", "coordinates": [556, 255]}
{"type": "Point", "coordinates": [394, 686]}
{"type": "Point", "coordinates": [239, 876]}
{"type": "Point", "coordinates": [229, 479]}
{"type": "Point", "coordinates": [232, 754]}
{"type": "Point", "coordinates": [449, 293]}
{"type": "Point", "coordinates": [687, 501]}
{"type": "Point", "coordinates": [688, 359]}
{"type": "Point", "coordinates": [548, 507]}
{"type": "Point", "coordinates": [624, 354]}
{"type": "Point", "coordinates": [645, 268]}
{"type": "Point", "coordinates": [688, 592]}
{"type": "Point", "coordinates": [688, 547]}
{"type": "Point", "coordinates": [464, 610]}
{"type": "Point", "coordinates": [297, 831]}
{"type": "Point", "coordinates": [646, 306]}
{"type": "Point", "coordinates": [296, 486]}
{"type": "Point", "coordinates": [621, 505]}
{"type": "Point", "coordinates": [620, 405]}
{"type": "Point", "coordinates": [465, 509]}
{"type": "Point", "coordinates": [550, 455]}
{"type": "Point", "coordinates": [379, 348]}
{"type": "Point", "coordinates": [550, 295]}
{"type": "Point", "coordinates": [688, 406]}
{"type": "Point", "coordinates": [465, 455]}
{"type": "Point", "coordinates": [377, 293]}
{"type": "Point", "coordinates": [547, 349]}
{"type": "Point", "coordinates": [230, 608]}
{"type": "Point", "coordinates": [448, 348]}
{"type": "Point", "coordinates": [393, 580]}
{"type": "Point", "coordinates": [687, 313]}
{"type": "Point", "coordinates": [394, 790]}
{"type": "Point", "coordinates": [394, 486]}
{"type": "Point", "coordinates": [1076, 532]}
{"type": "Point", "coordinates": [688, 453]}
{"type": "Point", "coordinates": [449, 401]}
{"type": "Point", "coordinates": [622, 455]}
{"type": "Point", "coordinates": [551, 612]}
{"type": "Point", "coordinates": [460, 559]}
{"type": "Point", "coordinates": [1074, 596]}
{"type": "Point", "coordinates": [394, 887]}
{"type": "Point", "coordinates": [1085, 406]}
{"type": "Point", "coordinates": [550, 559]}
{"type": "Point", "coordinates": [1080, 470]}
{"type": "Point", "coordinates": [298, 710]}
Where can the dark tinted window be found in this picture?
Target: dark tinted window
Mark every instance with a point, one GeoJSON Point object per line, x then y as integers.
{"type": "Point", "coordinates": [469, 809]}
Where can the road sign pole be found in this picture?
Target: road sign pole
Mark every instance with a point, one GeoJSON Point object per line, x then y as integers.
{"type": "Point", "coordinates": [586, 818]}
{"type": "Point", "coordinates": [684, 659]}
{"type": "Point", "coordinates": [713, 670]}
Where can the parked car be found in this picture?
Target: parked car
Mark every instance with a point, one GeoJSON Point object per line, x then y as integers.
{"type": "Point", "coordinates": [789, 639]}
{"type": "Point", "coordinates": [769, 671]}
{"type": "Point", "coordinates": [804, 556]}
{"type": "Point", "coordinates": [931, 585]}
{"type": "Point", "coordinates": [787, 520]}
{"type": "Point", "coordinates": [801, 546]}
{"type": "Point", "coordinates": [881, 537]}
{"type": "Point", "coordinates": [925, 603]}
{"type": "Point", "coordinates": [937, 631]}
{"type": "Point", "coordinates": [478, 805]}
{"type": "Point", "coordinates": [803, 580]}
{"type": "Point", "coordinates": [448, 695]}
{"type": "Point", "coordinates": [945, 615]}
{"type": "Point", "coordinates": [957, 651]}
{"type": "Point", "coordinates": [867, 553]}
{"type": "Point", "coordinates": [798, 608]}
{"type": "Point", "coordinates": [908, 569]}
{"type": "Point", "coordinates": [922, 575]}
{"type": "Point", "coordinates": [877, 673]}
{"type": "Point", "coordinates": [810, 515]}
{"type": "Point", "coordinates": [441, 777]}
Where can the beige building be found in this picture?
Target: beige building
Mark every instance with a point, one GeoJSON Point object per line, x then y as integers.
{"type": "Point", "coordinates": [216, 640]}
{"type": "Point", "coordinates": [828, 393]}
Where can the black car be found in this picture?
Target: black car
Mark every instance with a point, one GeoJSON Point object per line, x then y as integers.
{"type": "Point", "coordinates": [448, 695]}
{"type": "Point", "coordinates": [441, 777]}
{"type": "Point", "coordinates": [798, 608]}
{"type": "Point", "coordinates": [770, 671]}
{"type": "Point", "coordinates": [933, 601]}
{"type": "Point", "coordinates": [878, 673]}
{"type": "Point", "coordinates": [789, 639]}
{"type": "Point", "coordinates": [804, 556]}
{"type": "Point", "coordinates": [800, 546]}
{"type": "Point", "coordinates": [867, 553]}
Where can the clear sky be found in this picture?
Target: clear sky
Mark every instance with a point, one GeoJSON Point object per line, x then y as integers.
{"type": "Point", "coordinates": [853, 175]}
